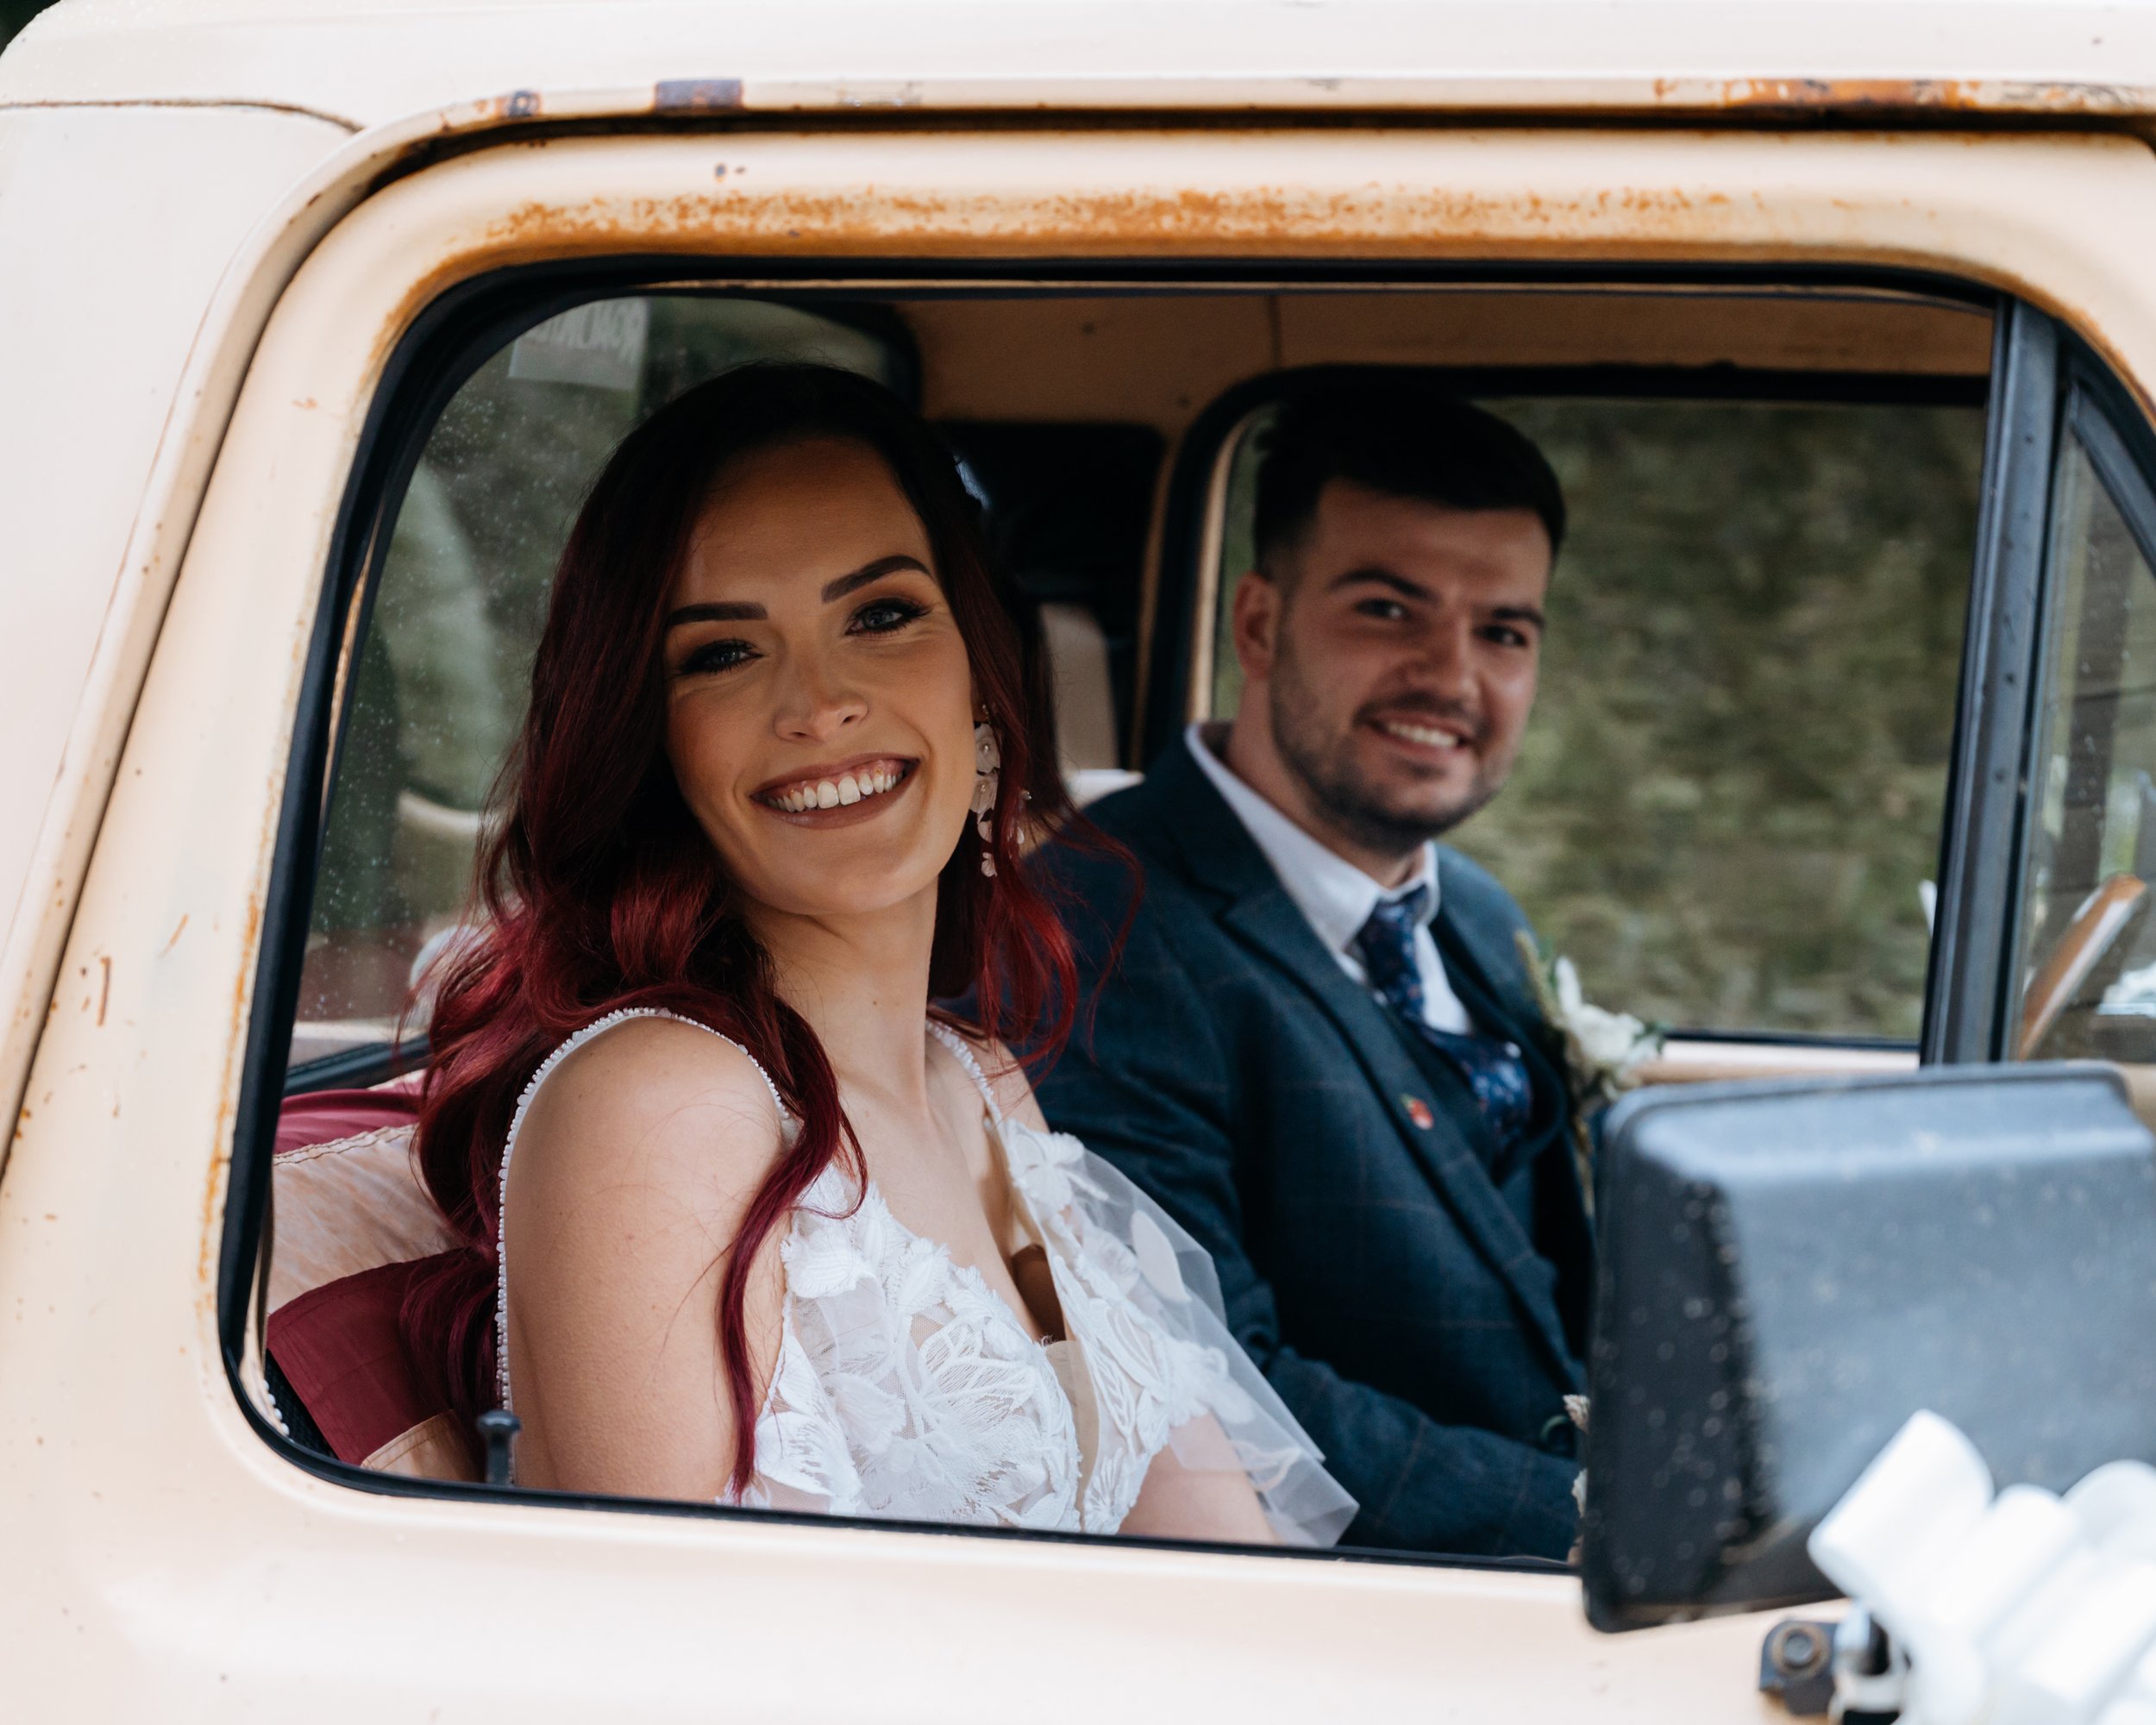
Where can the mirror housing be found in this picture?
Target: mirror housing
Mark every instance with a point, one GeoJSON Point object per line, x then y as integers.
{"type": "Point", "coordinates": [1789, 1271]}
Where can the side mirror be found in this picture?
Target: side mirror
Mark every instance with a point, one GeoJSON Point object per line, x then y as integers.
{"type": "Point", "coordinates": [1790, 1271]}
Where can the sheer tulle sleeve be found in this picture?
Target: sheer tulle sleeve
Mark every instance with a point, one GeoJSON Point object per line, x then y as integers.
{"type": "Point", "coordinates": [1142, 1302]}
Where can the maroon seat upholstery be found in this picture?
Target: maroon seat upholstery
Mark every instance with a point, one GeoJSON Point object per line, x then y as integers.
{"type": "Point", "coordinates": [353, 1226]}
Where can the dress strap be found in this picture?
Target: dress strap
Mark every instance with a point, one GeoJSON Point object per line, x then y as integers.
{"type": "Point", "coordinates": [598, 1027]}
{"type": "Point", "coordinates": [963, 1051]}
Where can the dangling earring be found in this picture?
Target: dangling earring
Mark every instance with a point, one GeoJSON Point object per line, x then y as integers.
{"type": "Point", "coordinates": [987, 763]}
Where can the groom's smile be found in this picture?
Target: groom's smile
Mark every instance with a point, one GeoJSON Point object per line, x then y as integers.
{"type": "Point", "coordinates": [1430, 736]}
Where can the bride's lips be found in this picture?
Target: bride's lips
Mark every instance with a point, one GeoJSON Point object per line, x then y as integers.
{"type": "Point", "coordinates": [839, 794]}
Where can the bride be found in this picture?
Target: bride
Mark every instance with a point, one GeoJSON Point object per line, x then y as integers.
{"type": "Point", "coordinates": [743, 1217]}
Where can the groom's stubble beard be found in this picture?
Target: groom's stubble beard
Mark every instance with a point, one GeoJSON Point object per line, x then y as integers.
{"type": "Point", "coordinates": [1323, 756]}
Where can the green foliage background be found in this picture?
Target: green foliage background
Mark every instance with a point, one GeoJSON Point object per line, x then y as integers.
{"type": "Point", "coordinates": [1731, 789]}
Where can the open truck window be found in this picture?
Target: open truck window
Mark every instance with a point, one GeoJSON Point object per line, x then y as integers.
{"type": "Point", "coordinates": [1729, 814]}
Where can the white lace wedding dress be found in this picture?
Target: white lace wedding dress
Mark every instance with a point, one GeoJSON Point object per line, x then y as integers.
{"type": "Point", "coordinates": [906, 1388]}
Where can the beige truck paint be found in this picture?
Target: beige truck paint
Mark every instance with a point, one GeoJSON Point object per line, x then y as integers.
{"type": "Point", "coordinates": [95, 328]}
{"type": "Point", "coordinates": [157, 1558]}
{"type": "Point", "coordinates": [549, 60]}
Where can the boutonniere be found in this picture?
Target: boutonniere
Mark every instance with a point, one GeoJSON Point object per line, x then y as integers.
{"type": "Point", "coordinates": [1604, 1050]}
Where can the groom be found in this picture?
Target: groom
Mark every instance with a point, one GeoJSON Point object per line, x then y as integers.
{"type": "Point", "coordinates": [1320, 1049]}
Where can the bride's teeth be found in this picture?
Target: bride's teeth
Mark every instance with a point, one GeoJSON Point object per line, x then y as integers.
{"type": "Point", "coordinates": [843, 792]}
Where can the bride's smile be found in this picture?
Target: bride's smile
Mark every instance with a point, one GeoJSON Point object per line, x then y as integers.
{"type": "Point", "coordinates": [834, 796]}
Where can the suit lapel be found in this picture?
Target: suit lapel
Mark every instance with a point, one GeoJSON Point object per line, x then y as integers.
{"type": "Point", "coordinates": [1256, 912]}
{"type": "Point", "coordinates": [1488, 971]}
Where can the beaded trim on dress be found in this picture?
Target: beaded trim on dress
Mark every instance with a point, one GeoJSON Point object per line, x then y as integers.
{"type": "Point", "coordinates": [957, 1044]}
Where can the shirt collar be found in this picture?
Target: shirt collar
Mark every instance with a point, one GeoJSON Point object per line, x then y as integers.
{"type": "Point", "coordinates": [1335, 896]}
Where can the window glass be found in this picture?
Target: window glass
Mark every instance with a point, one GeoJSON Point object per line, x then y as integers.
{"type": "Point", "coordinates": [439, 689]}
{"type": "Point", "coordinates": [2087, 976]}
{"type": "Point", "coordinates": [1727, 809]}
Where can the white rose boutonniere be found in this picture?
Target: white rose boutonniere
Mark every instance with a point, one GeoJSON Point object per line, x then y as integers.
{"type": "Point", "coordinates": [1604, 1051]}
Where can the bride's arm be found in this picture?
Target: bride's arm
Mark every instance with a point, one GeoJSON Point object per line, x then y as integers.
{"type": "Point", "coordinates": [1190, 1500]}
{"type": "Point", "coordinates": [635, 1163]}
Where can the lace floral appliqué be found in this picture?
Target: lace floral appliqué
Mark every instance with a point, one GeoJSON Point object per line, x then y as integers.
{"type": "Point", "coordinates": [905, 1388]}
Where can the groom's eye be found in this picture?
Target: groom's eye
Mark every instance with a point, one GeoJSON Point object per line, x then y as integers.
{"type": "Point", "coordinates": [1386, 610]}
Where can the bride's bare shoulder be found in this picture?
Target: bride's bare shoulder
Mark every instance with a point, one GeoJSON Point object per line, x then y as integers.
{"type": "Point", "coordinates": [659, 1095]}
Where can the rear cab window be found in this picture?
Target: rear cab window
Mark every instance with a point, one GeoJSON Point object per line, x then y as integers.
{"type": "Point", "coordinates": [1729, 809]}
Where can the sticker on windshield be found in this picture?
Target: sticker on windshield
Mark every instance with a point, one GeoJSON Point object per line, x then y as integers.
{"type": "Point", "coordinates": [600, 345]}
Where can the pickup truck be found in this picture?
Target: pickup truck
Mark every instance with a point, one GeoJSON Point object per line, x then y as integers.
{"type": "Point", "coordinates": [1838, 321]}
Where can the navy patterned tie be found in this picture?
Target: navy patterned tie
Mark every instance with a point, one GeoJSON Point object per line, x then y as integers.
{"type": "Point", "coordinates": [1493, 1070]}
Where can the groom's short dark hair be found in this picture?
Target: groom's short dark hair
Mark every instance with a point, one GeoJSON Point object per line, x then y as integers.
{"type": "Point", "coordinates": [1402, 435]}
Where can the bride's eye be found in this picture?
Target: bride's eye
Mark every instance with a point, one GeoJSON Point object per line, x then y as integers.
{"type": "Point", "coordinates": [886, 616]}
{"type": "Point", "coordinates": [715, 655]}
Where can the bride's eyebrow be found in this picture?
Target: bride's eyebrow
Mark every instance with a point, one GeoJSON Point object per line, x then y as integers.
{"type": "Point", "coordinates": [715, 611]}
{"type": "Point", "coordinates": [745, 611]}
{"type": "Point", "coordinates": [869, 571]}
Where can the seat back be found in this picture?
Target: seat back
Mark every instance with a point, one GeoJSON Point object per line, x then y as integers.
{"type": "Point", "coordinates": [354, 1224]}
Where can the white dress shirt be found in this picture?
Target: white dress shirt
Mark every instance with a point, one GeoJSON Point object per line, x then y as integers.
{"type": "Point", "coordinates": [1335, 896]}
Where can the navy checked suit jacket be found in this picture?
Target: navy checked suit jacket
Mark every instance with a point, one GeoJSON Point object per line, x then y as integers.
{"type": "Point", "coordinates": [1423, 1336]}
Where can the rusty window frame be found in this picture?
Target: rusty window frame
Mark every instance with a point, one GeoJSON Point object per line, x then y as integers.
{"type": "Point", "coordinates": [1979, 897]}
{"type": "Point", "coordinates": [419, 378]}
{"type": "Point", "coordinates": [422, 373]}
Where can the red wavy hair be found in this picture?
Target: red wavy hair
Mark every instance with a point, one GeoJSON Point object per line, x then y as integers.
{"type": "Point", "coordinates": [599, 891]}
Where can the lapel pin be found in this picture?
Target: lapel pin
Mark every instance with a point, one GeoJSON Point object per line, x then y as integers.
{"type": "Point", "coordinates": [1419, 1111]}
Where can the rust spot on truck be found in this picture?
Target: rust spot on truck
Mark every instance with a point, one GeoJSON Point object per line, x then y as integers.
{"type": "Point", "coordinates": [227, 1100]}
{"type": "Point", "coordinates": [1104, 224]}
{"type": "Point", "coordinates": [843, 218]}
{"type": "Point", "coordinates": [1884, 96]}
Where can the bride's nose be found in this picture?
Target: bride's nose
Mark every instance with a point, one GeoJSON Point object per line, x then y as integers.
{"type": "Point", "coordinates": [814, 704]}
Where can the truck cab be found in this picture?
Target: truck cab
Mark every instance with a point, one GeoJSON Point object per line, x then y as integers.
{"type": "Point", "coordinates": [1837, 325]}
